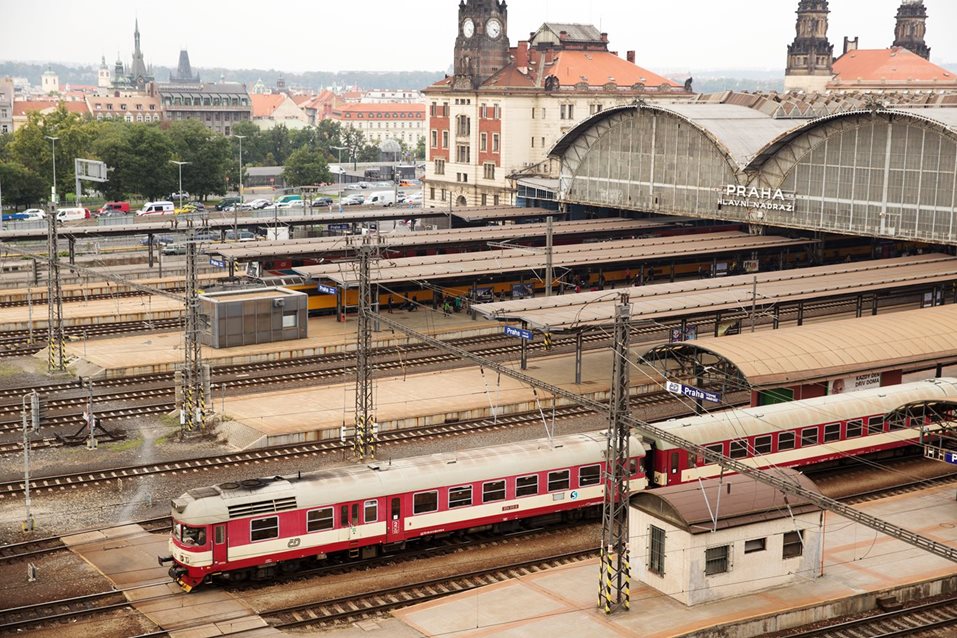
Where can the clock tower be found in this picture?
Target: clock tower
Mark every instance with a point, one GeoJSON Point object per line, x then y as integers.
{"type": "Point", "coordinates": [481, 48]}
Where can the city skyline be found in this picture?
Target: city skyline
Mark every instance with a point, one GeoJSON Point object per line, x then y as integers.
{"type": "Point", "coordinates": [737, 34]}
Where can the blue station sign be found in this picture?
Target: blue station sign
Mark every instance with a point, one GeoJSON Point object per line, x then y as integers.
{"type": "Point", "coordinates": [951, 457]}
{"type": "Point", "coordinates": [692, 392]}
{"type": "Point", "coordinates": [527, 335]}
{"type": "Point", "coordinates": [217, 262]}
{"type": "Point", "coordinates": [326, 290]}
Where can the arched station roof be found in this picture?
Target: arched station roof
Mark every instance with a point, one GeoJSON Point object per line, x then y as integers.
{"type": "Point", "coordinates": [821, 351]}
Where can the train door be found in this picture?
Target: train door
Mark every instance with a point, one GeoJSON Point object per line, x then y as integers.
{"type": "Point", "coordinates": [220, 553]}
{"type": "Point", "coordinates": [394, 531]}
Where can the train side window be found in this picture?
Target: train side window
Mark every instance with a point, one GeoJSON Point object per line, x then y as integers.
{"type": "Point", "coordinates": [262, 529]}
{"type": "Point", "coordinates": [526, 485]}
{"type": "Point", "coordinates": [220, 534]}
{"type": "Point", "coordinates": [897, 422]}
{"type": "Point", "coordinates": [589, 475]}
{"type": "Point", "coordinates": [371, 513]}
{"type": "Point", "coordinates": [396, 508]}
{"type": "Point", "coordinates": [809, 436]}
{"type": "Point", "coordinates": [633, 468]}
{"type": "Point", "coordinates": [493, 491]}
{"type": "Point", "coordinates": [762, 444]}
{"type": "Point", "coordinates": [355, 514]}
{"type": "Point", "coordinates": [786, 441]}
{"type": "Point", "coordinates": [739, 448]}
{"type": "Point", "coordinates": [875, 424]}
{"type": "Point", "coordinates": [675, 461]}
{"type": "Point", "coordinates": [854, 428]}
{"type": "Point", "coordinates": [460, 496]}
{"type": "Point", "coordinates": [558, 480]}
{"type": "Point", "coordinates": [344, 515]}
{"type": "Point", "coordinates": [319, 519]}
{"type": "Point", "coordinates": [717, 448]}
{"type": "Point", "coordinates": [832, 432]}
{"type": "Point", "coordinates": [425, 502]}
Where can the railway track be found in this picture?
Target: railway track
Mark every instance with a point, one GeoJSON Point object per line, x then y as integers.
{"type": "Point", "coordinates": [41, 298]}
{"type": "Point", "coordinates": [356, 607]}
{"type": "Point", "coordinates": [50, 544]}
{"type": "Point", "coordinates": [72, 481]}
{"type": "Point", "coordinates": [16, 343]}
{"type": "Point", "coordinates": [55, 612]}
{"type": "Point", "coordinates": [909, 621]}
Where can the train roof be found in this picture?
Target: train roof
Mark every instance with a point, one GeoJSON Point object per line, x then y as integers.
{"type": "Point", "coordinates": [733, 424]}
{"type": "Point", "coordinates": [205, 505]}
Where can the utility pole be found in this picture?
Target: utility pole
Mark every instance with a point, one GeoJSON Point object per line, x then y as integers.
{"type": "Point", "coordinates": [193, 410]}
{"type": "Point", "coordinates": [28, 522]}
{"type": "Point", "coordinates": [549, 269]}
{"type": "Point", "coordinates": [55, 361]}
{"type": "Point", "coordinates": [364, 444]}
{"type": "Point", "coordinates": [615, 569]}
{"type": "Point", "coordinates": [754, 301]}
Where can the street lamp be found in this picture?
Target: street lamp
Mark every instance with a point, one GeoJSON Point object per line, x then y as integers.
{"type": "Point", "coordinates": [236, 208]}
{"type": "Point", "coordinates": [53, 196]}
{"type": "Point", "coordinates": [340, 149]}
{"type": "Point", "coordinates": [179, 194]}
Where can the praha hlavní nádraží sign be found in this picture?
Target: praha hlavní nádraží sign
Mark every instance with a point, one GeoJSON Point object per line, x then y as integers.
{"type": "Point", "coordinates": [755, 198]}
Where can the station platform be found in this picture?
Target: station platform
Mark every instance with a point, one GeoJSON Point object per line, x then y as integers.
{"type": "Point", "coordinates": [162, 352]}
{"type": "Point", "coordinates": [126, 555]}
{"type": "Point", "coordinates": [100, 311]}
{"type": "Point", "coordinates": [859, 565]}
{"type": "Point", "coordinates": [415, 400]}
{"type": "Point", "coordinates": [80, 291]}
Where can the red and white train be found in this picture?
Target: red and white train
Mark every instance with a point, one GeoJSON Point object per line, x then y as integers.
{"type": "Point", "coordinates": [259, 527]}
{"type": "Point", "coordinates": [255, 528]}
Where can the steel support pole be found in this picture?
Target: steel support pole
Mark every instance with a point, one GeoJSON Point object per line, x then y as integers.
{"type": "Point", "coordinates": [524, 350]}
{"type": "Point", "coordinates": [578, 356]}
{"type": "Point", "coordinates": [549, 268]}
{"type": "Point", "coordinates": [800, 321]}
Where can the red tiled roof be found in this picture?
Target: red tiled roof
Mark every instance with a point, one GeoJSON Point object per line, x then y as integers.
{"type": "Point", "coordinates": [22, 107]}
{"type": "Point", "coordinates": [598, 68]}
{"type": "Point", "coordinates": [890, 65]}
{"type": "Point", "coordinates": [264, 104]}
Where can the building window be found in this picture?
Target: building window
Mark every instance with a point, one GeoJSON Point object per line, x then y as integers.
{"type": "Point", "coordinates": [716, 560]}
{"type": "Point", "coordinates": [526, 485]}
{"type": "Point", "coordinates": [543, 112]}
{"type": "Point", "coordinates": [656, 550]}
{"type": "Point", "coordinates": [482, 111]}
{"type": "Point", "coordinates": [558, 480]}
{"type": "Point", "coordinates": [290, 319]}
{"type": "Point", "coordinates": [463, 127]}
{"type": "Point", "coordinates": [460, 496]}
{"type": "Point", "coordinates": [755, 545]}
{"type": "Point", "coordinates": [533, 142]}
{"type": "Point", "coordinates": [484, 199]}
{"type": "Point", "coordinates": [435, 138]}
{"type": "Point", "coordinates": [445, 138]}
{"type": "Point", "coordinates": [432, 109]}
{"type": "Point", "coordinates": [317, 520]}
{"type": "Point", "coordinates": [264, 528]}
{"type": "Point", "coordinates": [425, 502]}
{"type": "Point", "coordinates": [793, 544]}
{"type": "Point", "coordinates": [432, 193]}
{"type": "Point", "coordinates": [439, 167]}
{"type": "Point", "coordinates": [462, 153]}
{"type": "Point", "coordinates": [443, 194]}
{"type": "Point", "coordinates": [489, 169]}
{"type": "Point", "coordinates": [483, 142]}
{"type": "Point", "coordinates": [543, 141]}
{"type": "Point", "coordinates": [493, 491]}
{"type": "Point", "coordinates": [494, 200]}
{"type": "Point", "coordinates": [533, 112]}
{"type": "Point", "coordinates": [495, 142]}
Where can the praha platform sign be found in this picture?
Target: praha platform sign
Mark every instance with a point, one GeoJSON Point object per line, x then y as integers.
{"type": "Point", "coordinates": [527, 335]}
{"type": "Point", "coordinates": [692, 392]}
{"type": "Point", "coordinates": [325, 290]}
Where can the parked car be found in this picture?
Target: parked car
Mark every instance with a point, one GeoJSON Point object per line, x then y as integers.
{"type": "Point", "coordinates": [259, 204]}
{"type": "Point", "coordinates": [353, 200]}
{"type": "Point", "coordinates": [72, 214]}
{"type": "Point", "coordinates": [382, 198]}
{"type": "Point", "coordinates": [157, 208]}
{"type": "Point", "coordinates": [289, 198]}
{"type": "Point", "coordinates": [183, 195]}
{"type": "Point", "coordinates": [351, 187]}
{"type": "Point", "coordinates": [226, 202]}
{"type": "Point", "coordinates": [35, 213]}
{"type": "Point", "coordinates": [123, 207]}
{"type": "Point", "coordinates": [415, 199]}
{"type": "Point", "coordinates": [322, 201]}
{"type": "Point", "coordinates": [242, 235]}
{"type": "Point", "coordinates": [160, 240]}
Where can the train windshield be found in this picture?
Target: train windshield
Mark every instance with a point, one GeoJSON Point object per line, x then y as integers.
{"type": "Point", "coordinates": [192, 535]}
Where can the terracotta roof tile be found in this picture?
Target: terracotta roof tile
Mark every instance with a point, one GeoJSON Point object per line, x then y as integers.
{"type": "Point", "coordinates": [22, 107]}
{"type": "Point", "coordinates": [265, 104]}
{"type": "Point", "coordinates": [892, 65]}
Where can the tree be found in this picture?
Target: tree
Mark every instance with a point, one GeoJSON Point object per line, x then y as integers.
{"type": "Point", "coordinates": [112, 147]}
{"type": "Point", "coordinates": [21, 186]}
{"type": "Point", "coordinates": [306, 167]}
{"type": "Point", "coordinates": [420, 149]}
{"type": "Point", "coordinates": [144, 165]}
{"type": "Point", "coordinates": [208, 155]}
{"type": "Point", "coordinates": [278, 144]}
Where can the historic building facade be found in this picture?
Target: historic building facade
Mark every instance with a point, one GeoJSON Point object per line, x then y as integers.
{"type": "Point", "coordinates": [811, 55]}
{"type": "Point", "coordinates": [138, 76]}
{"type": "Point", "coordinates": [400, 121]}
{"type": "Point", "coordinates": [504, 107]}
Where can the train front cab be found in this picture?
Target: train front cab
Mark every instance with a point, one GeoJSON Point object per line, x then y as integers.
{"type": "Point", "coordinates": [196, 551]}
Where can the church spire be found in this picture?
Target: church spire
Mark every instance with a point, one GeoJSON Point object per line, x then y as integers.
{"type": "Point", "coordinates": [912, 27]}
{"type": "Point", "coordinates": [811, 55]}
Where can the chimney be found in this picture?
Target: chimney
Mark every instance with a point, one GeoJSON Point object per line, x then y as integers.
{"type": "Point", "coordinates": [604, 38]}
{"type": "Point", "coordinates": [850, 45]}
{"type": "Point", "coordinates": [521, 54]}
{"type": "Point", "coordinates": [630, 56]}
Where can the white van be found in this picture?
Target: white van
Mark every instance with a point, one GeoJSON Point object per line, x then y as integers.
{"type": "Point", "coordinates": [157, 208]}
{"type": "Point", "coordinates": [383, 198]}
{"type": "Point", "coordinates": [71, 214]}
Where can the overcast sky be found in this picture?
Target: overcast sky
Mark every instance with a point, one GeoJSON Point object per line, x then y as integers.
{"type": "Point", "coordinates": [319, 35]}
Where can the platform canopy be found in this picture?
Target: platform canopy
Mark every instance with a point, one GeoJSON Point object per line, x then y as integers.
{"type": "Point", "coordinates": [706, 297]}
{"type": "Point", "coordinates": [913, 339]}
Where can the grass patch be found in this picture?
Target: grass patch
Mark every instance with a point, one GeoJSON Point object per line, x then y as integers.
{"type": "Point", "coordinates": [7, 370]}
{"type": "Point", "coordinates": [124, 446]}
